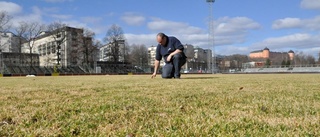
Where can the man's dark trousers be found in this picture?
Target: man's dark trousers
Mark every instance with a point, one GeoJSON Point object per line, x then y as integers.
{"type": "Point", "coordinates": [172, 68]}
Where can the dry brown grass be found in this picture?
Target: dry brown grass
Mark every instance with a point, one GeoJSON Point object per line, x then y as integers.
{"type": "Point", "coordinates": [196, 105]}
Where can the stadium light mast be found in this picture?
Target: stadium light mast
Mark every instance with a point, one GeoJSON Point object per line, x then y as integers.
{"type": "Point", "coordinates": [211, 37]}
{"type": "Point", "coordinates": [1, 63]}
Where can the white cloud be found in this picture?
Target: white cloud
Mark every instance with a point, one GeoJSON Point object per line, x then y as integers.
{"type": "Point", "coordinates": [36, 10]}
{"type": "Point", "coordinates": [236, 25]}
{"type": "Point", "coordinates": [299, 42]}
{"type": "Point", "coordinates": [10, 7]}
{"type": "Point", "coordinates": [150, 39]}
{"type": "Point", "coordinates": [186, 33]}
{"type": "Point", "coordinates": [310, 24]}
{"type": "Point", "coordinates": [310, 4]}
{"type": "Point", "coordinates": [16, 11]}
{"type": "Point", "coordinates": [110, 14]}
{"type": "Point", "coordinates": [35, 16]}
{"type": "Point", "coordinates": [61, 16]}
{"type": "Point", "coordinates": [98, 29]}
{"type": "Point", "coordinates": [75, 23]}
{"type": "Point", "coordinates": [287, 23]}
{"type": "Point", "coordinates": [229, 50]}
{"type": "Point", "coordinates": [146, 39]}
{"type": "Point", "coordinates": [160, 25]}
{"type": "Point", "coordinates": [133, 19]}
{"type": "Point", "coordinates": [227, 30]}
{"type": "Point", "coordinates": [51, 9]}
{"type": "Point", "coordinates": [294, 41]}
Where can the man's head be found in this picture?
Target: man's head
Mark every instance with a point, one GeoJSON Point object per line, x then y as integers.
{"type": "Point", "coordinates": [162, 39]}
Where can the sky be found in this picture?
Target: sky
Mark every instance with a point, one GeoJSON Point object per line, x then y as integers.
{"type": "Point", "coordinates": [240, 26]}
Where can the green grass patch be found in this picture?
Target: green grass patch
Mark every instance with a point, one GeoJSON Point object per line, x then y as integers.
{"type": "Point", "coordinates": [196, 105]}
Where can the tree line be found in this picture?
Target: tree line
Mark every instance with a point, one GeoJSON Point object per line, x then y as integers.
{"type": "Point", "coordinates": [28, 31]}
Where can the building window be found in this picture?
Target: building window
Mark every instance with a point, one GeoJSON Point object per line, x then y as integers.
{"type": "Point", "coordinates": [74, 33]}
{"type": "Point", "coordinates": [39, 50]}
{"type": "Point", "coordinates": [43, 51]}
{"type": "Point", "coordinates": [53, 49]}
{"type": "Point", "coordinates": [49, 49]}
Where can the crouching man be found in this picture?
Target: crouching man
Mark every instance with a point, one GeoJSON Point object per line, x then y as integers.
{"type": "Point", "coordinates": [171, 50]}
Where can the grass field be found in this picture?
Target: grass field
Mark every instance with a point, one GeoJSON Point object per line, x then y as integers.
{"type": "Point", "coordinates": [136, 105]}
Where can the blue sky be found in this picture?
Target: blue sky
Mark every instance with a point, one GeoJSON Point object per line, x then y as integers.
{"type": "Point", "coordinates": [239, 26]}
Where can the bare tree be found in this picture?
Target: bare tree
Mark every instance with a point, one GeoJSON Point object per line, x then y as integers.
{"type": "Point", "coordinates": [304, 59]}
{"type": "Point", "coordinates": [299, 58]}
{"type": "Point", "coordinates": [56, 31]}
{"type": "Point", "coordinates": [125, 51]}
{"type": "Point", "coordinates": [319, 58]}
{"type": "Point", "coordinates": [31, 31]}
{"type": "Point", "coordinates": [4, 26]}
{"type": "Point", "coordinates": [115, 37]}
{"type": "Point", "coordinates": [310, 60]}
{"type": "Point", "coordinates": [20, 31]}
{"type": "Point", "coordinates": [139, 55]}
{"type": "Point", "coordinates": [89, 47]}
{"type": "Point", "coordinates": [95, 54]}
{"type": "Point", "coordinates": [5, 19]}
{"type": "Point", "coordinates": [237, 60]}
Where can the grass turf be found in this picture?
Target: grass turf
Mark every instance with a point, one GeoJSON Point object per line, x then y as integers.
{"type": "Point", "coordinates": [136, 105]}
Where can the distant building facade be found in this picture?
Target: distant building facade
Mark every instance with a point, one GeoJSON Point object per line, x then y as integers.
{"type": "Point", "coordinates": [261, 56]}
{"type": "Point", "coordinates": [202, 60]}
{"type": "Point", "coordinates": [152, 56]}
{"type": "Point", "coordinates": [62, 47]}
{"type": "Point", "coordinates": [107, 52]}
{"type": "Point", "coordinates": [9, 42]}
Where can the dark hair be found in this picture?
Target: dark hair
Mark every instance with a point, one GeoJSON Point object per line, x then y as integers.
{"type": "Point", "coordinates": [162, 35]}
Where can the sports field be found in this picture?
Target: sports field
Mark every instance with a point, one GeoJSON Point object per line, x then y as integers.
{"type": "Point", "coordinates": [136, 105]}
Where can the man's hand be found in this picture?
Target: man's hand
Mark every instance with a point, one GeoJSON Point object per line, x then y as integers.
{"type": "Point", "coordinates": [154, 75]}
{"type": "Point", "coordinates": [169, 58]}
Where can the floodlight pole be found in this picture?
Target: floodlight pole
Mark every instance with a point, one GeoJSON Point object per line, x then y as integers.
{"type": "Point", "coordinates": [1, 63]}
{"type": "Point", "coordinates": [211, 36]}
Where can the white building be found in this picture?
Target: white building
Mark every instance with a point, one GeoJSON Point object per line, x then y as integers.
{"type": "Point", "coordinates": [108, 51]}
{"type": "Point", "coordinates": [62, 47]}
{"type": "Point", "coordinates": [202, 60]}
{"type": "Point", "coordinates": [152, 56]}
{"type": "Point", "coordinates": [9, 42]}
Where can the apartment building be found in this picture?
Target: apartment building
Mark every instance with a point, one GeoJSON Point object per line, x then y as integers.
{"type": "Point", "coordinates": [152, 56]}
{"type": "Point", "coordinates": [113, 52]}
{"type": "Point", "coordinates": [9, 42]}
{"type": "Point", "coordinates": [60, 47]}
